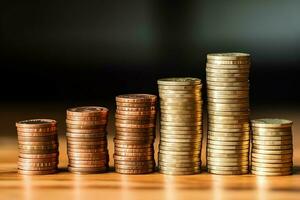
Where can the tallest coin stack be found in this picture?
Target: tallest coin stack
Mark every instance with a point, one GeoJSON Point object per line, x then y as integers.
{"type": "Point", "coordinates": [227, 77]}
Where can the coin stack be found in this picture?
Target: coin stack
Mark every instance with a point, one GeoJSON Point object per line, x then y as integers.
{"type": "Point", "coordinates": [86, 139]}
{"type": "Point", "coordinates": [135, 121]}
{"type": "Point", "coordinates": [181, 126]}
{"type": "Point", "coordinates": [38, 146]}
{"type": "Point", "coordinates": [272, 147]}
{"type": "Point", "coordinates": [228, 137]}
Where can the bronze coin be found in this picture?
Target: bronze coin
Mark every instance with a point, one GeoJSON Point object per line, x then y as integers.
{"type": "Point", "coordinates": [132, 167]}
{"type": "Point", "coordinates": [30, 172]}
{"type": "Point", "coordinates": [134, 171]}
{"type": "Point", "coordinates": [38, 147]}
{"type": "Point", "coordinates": [136, 121]}
{"type": "Point", "coordinates": [87, 118]}
{"type": "Point", "coordinates": [78, 139]}
{"type": "Point", "coordinates": [86, 131]}
{"type": "Point", "coordinates": [131, 138]}
{"type": "Point", "coordinates": [133, 146]}
{"type": "Point", "coordinates": [88, 155]}
{"type": "Point", "coordinates": [78, 150]}
{"type": "Point", "coordinates": [43, 143]}
{"type": "Point", "coordinates": [136, 117]}
{"type": "Point", "coordinates": [38, 139]}
{"type": "Point", "coordinates": [87, 111]}
{"type": "Point", "coordinates": [127, 158]}
{"type": "Point", "coordinates": [135, 163]}
{"type": "Point", "coordinates": [37, 164]}
{"type": "Point", "coordinates": [130, 150]}
{"type": "Point", "coordinates": [36, 123]}
{"type": "Point", "coordinates": [135, 130]}
{"type": "Point", "coordinates": [132, 134]}
{"type": "Point", "coordinates": [136, 113]}
{"type": "Point", "coordinates": [128, 108]}
{"type": "Point", "coordinates": [136, 98]}
{"type": "Point", "coordinates": [85, 126]}
{"type": "Point", "coordinates": [87, 123]}
{"type": "Point", "coordinates": [136, 105]}
{"type": "Point", "coordinates": [86, 135]}
{"type": "Point", "coordinates": [30, 168]}
{"type": "Point", "coordinates": [140, 154]}
{"type": "Point", "coordinates": [37, 130]}
{"type": "Point", "coordinates": [140, 142]}
{"type": "Point", "coordinates": [95, 142]}
{"type": "Point", "coordinates": [37, 160]}
{"type": "Point", "coordinates": [79, 146]}
{"type": "Point", "coordinates": [40, 151]}
{"type": "Point", "coordinates": [135, 125]}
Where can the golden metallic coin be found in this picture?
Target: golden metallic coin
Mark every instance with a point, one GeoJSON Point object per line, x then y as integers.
{"type": "Point", "coordinates": [136, 98]}
{"type": "Point", "coordinates": [227, 71]}
{"type": "Point", "coordinates": [190, 92]}
{"type": "Point", "coordinates": [229, 138]}
{"type": "Point", "coordinates": [227, 143]}
{"type": "Point", "coordinates": [223, 172]}
{"type": "Point", "coordinates": [181, 104]}
{"type": "Point", "coordinates": [229, 164]}
{"type": "Point", "coordinates": [271, 130]}
{"type": "Point", "coordinates": [227, 122]}
{"type": "Point", "coordinates": [228, 56]}
{"type": "Point", "coordinates": [242, 126]}
{"type": "Point", "coordinates": [272, 143]}
{"type": "Point", "coordinates": [228, 109]}
{"type": "Point", "coordinates": [227, 160]}
{"type": "Point", "coordinates": [271, 134]}
{"type": "Point", "coordinates": [228, 88]}
{"type": "Point", "coordinates": [272, 138]}
{"type": "Point", "coordinates": [272, 157]}
{"type": "Point", "coordinates": [136, 108]}
{"type": "Point", "coordinates": [175, 148]}
{"type": "Point", "coordinates": [271, 169]}
{"type": "Point", "coordinates": [212, 167]}
{"type": "Point", "coordinates": [262, 173]}
{"type": "Point", "coordinates": [181, 140]}
{"type": "Point", "coordinates": [36, 123]}
{"type": "Point", "coordinates": [229, 155]}
{"type": "Point", "coordinates": [181, 145]}
{"type": "Point", "coordinates": [221, 79]}
{"type": "Point", "coordinates": [228, 147]}
{"type": "Point", "coordinates": [229, 62]}
{"type": "Point", "coordinates": [268, 165]}
{"type": "Point", "coordinates": [227, 75]}
{"type": "Point", "coordinates": [181, 128]}
{"type": "Point", "coordinates": [227, 151]}
{"type": "Point", "coordinates": [173, 136]}
{"type": "Point", "coordinates": [272, 161]}
{"type": "Point", "coordinates": [184, 81]}
{"type": "Point", "coordinates": [220, 92]}
{"type": "Point", "coordinates": [230, 130]}
{"type": "Point", "coordinates": [228, 66]}
{"type": "Point", "coordinates": [271, 123]}
{"type": "Point", "coordinates": [180, 153]}
{"type": "Point", "coordinates": [179, 165]}
{"type": "Point", "coordinates": [227, 96]}
{"type": "Point", "coordinates": [213, 83]}
{"type": "Point", "coordinates": [180, 169]}
{"type": "Point", "coordinates": [228, 113]}
{"type": "Point", "coordinates": [272, 152]}
{"type": "Point", "coordinates": [187, 96]}
{"type": "Point", "coordinates": [169, 132]}
{"type": "Point", "coordinates": [276, 147]}
{"type": "Point", "coordinates": [180, 87]}
{"type": "Point", "coordinates": [179, 173]}
{"type": "Point", "coordinates": [181, 124]}
{"type": "Point", "coordinates": [227, 101]}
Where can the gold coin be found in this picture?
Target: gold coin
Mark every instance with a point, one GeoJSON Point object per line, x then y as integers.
{"type": "Point", "coordinates": [180, 87]}
{"type": "Point", "coordinates": [181, 104]}
{"type": "Point", "coordinates": [242, 126]}
{"type": "Point", "coordinates": [228, 147]}
{"type": "Point", "coordinates": [179, 165]}
{"type": "Point", "coordinates": [178, 120]}
{"type": "Point", "coordinates": [268, 165]}
{"type": "Point", "coordinates": [227, 122]}
{"type": "Point", "coordinates": [228, 113]}
{"type": "Point", "coordinates": [227, 151]}
{"type": "Point", "coordinates": [176, 173]}
{"type": "Point", "coordinates": [271, 161]}
{"type": "Point", "coordinates": [225, 109]}
{"type": "Point", "coordinates": [271, 134]}
{"type": "Point", "coordinates": [162, 131]}
{"type": "Point", "coordinates": [277, 147]}
{"type": "Point", "coordinates": [220, 92]}
{"type": "Point", "coordinates": [271, 123]}
{"type": "Point", "coordinates": [173, 136]}
{"type": "Point", "coordinates": [181, 145]}
{"type": "Point", "coordinates": [272, 138]}
{"type": "Point", "coordinates": [189, 92]}
{"type": "Point", "coordinates": [227, 96]}
{"type": "Point", "coordinates": [185, 81]}
{"type": "Point", "coordinates": [227, 101]}
{"type": "Point", "coordinates": [191, 108]}
{"type": "Point", "coordinates": [181, 112]}
{"type": "Point", "coordinates": [262, 173]}
{"type": "Point", "coordinates": [272, 143]}
{"type": "Point", "coordinates": [227, 143]}
{"type": "Point", "coordinates": [224, 118]}
{"type": "Point", "coordinates": [272, 157]}
{"type": "Point", "coordinates": [180, 169]}
{"type": "Point", "coordinates": [228, 155]}
{"type": "Point", "coordinates": [227, 160]}
{"type": "Point", "coordinates": [228, 62]}
{"type": "Point", "coordinates": [212, 167]}
{"type": "Point", "coordinates": [228, 56]}
{"type": "Point", "coordinates": [179, 153]}
{"type": "Point", "coordinates": [232, 88]}
{"type": "Point", "coordinates": [272, 152]}
{"type": "Point", "coordinates": [271, 169]}
{"type": "Point", "coordinates": [231, 130]}
{"type": "Point", "coordinates": [221, 79]}
{"type": "Point", "coordinates": [181, 128]}
{"type": "Point", "coordinates": [231, 138]}
{"type": "Point", "coordinates": [179, 158]}
{"type": "Point", "coordinates": [244, 83]}
{"type": "Point", "coordinates": [227, 75]}
{"type": "Point", "coordinates": [227, 71]}
{"type": "Point", "coordinates": [232, 164]}
{"type": "Point", "coordinates": [175, 148]}
{"type": "Point", "coordinates": [182, 116]}
{"type": "Point", "coordinates": [188, 96]}
{"type": "Point", "coordinates": [181, 140]}
{"type": "Point", "coordinates": [164, 123]}
{"type": "Point", "coordinates": [235, 172]}
{"type": "Point", "coordinates": [271, 130]}
{"type": "Point", "coordinates": [228, 66]}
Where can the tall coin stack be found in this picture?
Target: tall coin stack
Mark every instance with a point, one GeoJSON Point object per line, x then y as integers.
{"type": "Point", "coordinates": [181, 126]}
{"type": "Point", "coordinates": [272, 147]}
{"type": "Point", "coordinates": [38, 146]}
{"type": "Point", "coordinates": [228, 137]}
{"type": "Point", "coordinates": [86, 139]}
{"type": "Point", "coordinates": [135, 121]}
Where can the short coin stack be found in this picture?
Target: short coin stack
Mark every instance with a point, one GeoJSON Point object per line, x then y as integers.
{"type": "Point", "coordinates": [86, 139]}
{"type": "Point", "coordinates": [135, 121]}
{"type": "Point", "coordinates": [272, 147]}
{"type": "Point", "coordinates": [181, 125]}
{"type": "Point", "coordinates": [38, 146]}
{"type": "Point", "coordinates": [228, 138]}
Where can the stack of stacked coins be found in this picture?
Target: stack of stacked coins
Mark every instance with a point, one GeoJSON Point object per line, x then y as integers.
{"type": "Point", "coordinates": [181, 126]}
{"type": "Point", "coordinates": [227, 77]}
{"type": "Point", "coordinates": [272, 147]}
{"type": "Point", "coordinates": [86, 139]}
{"type": "Point", "coordinates": [135, 133]}
{"type": "Point", "coordinates": [38, 146]}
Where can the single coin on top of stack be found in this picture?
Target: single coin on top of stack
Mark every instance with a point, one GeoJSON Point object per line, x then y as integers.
{"type": "Point", "coordinates": [228, 138]}
{"type": "Point", "coordinates": [38, 146]}
{"type": "Point", "coordinates": [181, 125]}
{"type": "Point", "coordinates": [87, 139]}
{"type": "Point", "coordinates": [135, 121]}
{"type": "Point", "coordinates": [272, 147]}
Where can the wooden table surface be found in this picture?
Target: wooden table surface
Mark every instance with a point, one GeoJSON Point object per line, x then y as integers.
{"type": "Point", "coordinates": [65, 185]}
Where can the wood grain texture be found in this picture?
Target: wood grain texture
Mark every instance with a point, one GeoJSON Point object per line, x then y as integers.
{"type": "Point", "coordinates": [65, 185]}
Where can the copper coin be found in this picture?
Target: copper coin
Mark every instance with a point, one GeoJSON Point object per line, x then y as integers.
{"type": "Point", "coordinates": [136, 105]}
{"type": "Point", "coordinates": [135, 121]}
{"type": "Point", "coordinates": [79, 146]}
{"type": "Point", "coordinates": [135, 130]}
{"type": "Point", "coordinates": [135, 163]}
{"type": "Point", "coordinates": [39, 156]}
{"type": "Point", "coordinates": [87, 111]}
{"type": "Point", "coordinates": [95, 136]}
{"type": "Point", "coordinates": [88, 166]}
{"type": "Point", "coordinates": [136, 117]}
{"type": "Point", "coordinates": [36, 134]}
{"type": "Point", "coordinates": [87, 123]}
{"type": "Point", "coordinates": [127, 158]}
{"type": "Point", "coordinates": [37, 164]}
{"type": "Point", "coordinates": [86, 118]}
{"type": "Point", "coordinates": [135, 125]}
{"type": "Point", "coordinates": [38, 151]}
{"type": "Point", "coordinates": [137, 113]}
{"type": "Point", "coordinates": [36, 123]}
{"type": "Point", "coordinates": [37, 146]}
{"type": "Point", "coordinates": [132, 141]}
{"type": "Point", "coordinates": [91, 170]}
{"type": "Point", "coordinates": [78, 150]}
{"type": "Point", "coordinates": [132, 167]}
{"type": "Point", "coordinates": [30, 172]}
{"type": "Point", "coordinates": [132, 138]}
{"type": "Point", "coordinates": [37, 130]}
{"type": "Point", "coordinates": [88, 162]}
{"type": "Point", "coordinates": [38, 139]}
{"type": "Point", "coordinates": [133, 146]}
{"type": "Point", "coordinates": [87, 159]}
{"type": "Point", "coordinates": [86, 126]}
{"type": "Point", "coordinates": [93, 143]}
{"type": "Point", "coordinates": [86, 131]}
{"type": "Point", "coordinates": [78, 139]}
{"type": "Point", "coordinates": [142, 134]}
{"type": "Point", "coordinates": [88, 155]}
{"type": "Point", "coordinates": [134, 171]}
{"type": "Point", "coordinates": [30, 168]}
{"type": "Point", "coordinates": [136, 98]}
{"type": "Point", "coordinates": [141, 150]}
{"type": "Point", "coordinates": [127, 154]}
{"type": "Point", "coordinates": [128, 108]}
{"type": "Point", "coordinates": [39, 160]}
{"type": "Point", "coordinates": [43, 143]}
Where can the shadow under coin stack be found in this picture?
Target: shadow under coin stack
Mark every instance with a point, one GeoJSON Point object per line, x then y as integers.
{"type": "Point", "coordinates": [181, 126]}
{"type": "Point", "coordinates": [272, 147]}
{"type": "Point", "coordinates": [86, 139]}
{"type": "Point", "coordinates": [135, 121]}
{"type": "Point", "coordinates": [38, 146]}
{"type": "Point", "coordinates": [228, 137]}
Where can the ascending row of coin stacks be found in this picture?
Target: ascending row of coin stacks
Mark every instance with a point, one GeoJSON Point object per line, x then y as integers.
{"type": "Point", "coordinates": [227, 77]}
{"type": "Point", "coordinates": [272, 147]}
{"type": "Point", "coordinates": [135, 133]}
{"type": "Point", "coordinates": [181, 126]}
{"type": "Point", "coordinates": [38, 146]}
{"type": "Point", "coordinates": [87, 139]}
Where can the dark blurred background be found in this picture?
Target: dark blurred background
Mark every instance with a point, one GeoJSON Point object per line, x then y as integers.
{"type": "Point", "coordinates": [90, 51]}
